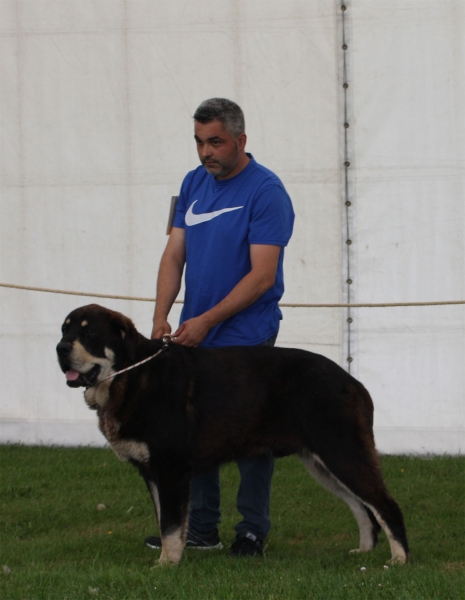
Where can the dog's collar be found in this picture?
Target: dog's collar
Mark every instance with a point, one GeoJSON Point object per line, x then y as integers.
{"type": "Point", "coordinates": [166, 340]}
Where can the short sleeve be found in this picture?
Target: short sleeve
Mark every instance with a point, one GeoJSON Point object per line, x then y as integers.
{"type": "Point", "coordinates": [180, 214]}
{"type": "Point", "coordinates": [272, 217]}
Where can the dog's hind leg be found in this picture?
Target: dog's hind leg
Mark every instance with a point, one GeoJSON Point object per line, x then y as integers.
{"type": "Point", "coordinates": [361, 479]}
{"type": "Point", "coordinates": [367, 524]}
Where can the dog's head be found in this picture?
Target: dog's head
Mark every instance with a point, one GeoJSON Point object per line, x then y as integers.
{"type": "Point", "coordinates": [96, 342]}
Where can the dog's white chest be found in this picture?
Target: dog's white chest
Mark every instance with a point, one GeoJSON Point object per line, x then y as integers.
{"type": "Point", "coordinates": [97, 397]}
{"type": "Point", "coordinates": [125, 449]}
{"type": "Point", "coordinates": [131, 450]}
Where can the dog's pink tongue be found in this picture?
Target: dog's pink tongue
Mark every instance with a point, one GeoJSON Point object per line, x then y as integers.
{"type": "Point", "coordinates": [72, 375]}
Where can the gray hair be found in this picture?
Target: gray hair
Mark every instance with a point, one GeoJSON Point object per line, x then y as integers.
{"type": "Point", "coordinates": [224, 110]}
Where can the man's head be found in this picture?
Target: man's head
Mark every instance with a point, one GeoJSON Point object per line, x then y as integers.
{"type": "Point", "coordinates": [223, 110]}
{"type": "Point", "coordinates": [220, 137]}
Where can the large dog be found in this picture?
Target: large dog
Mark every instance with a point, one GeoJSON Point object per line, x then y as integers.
{"type": "Point", "coordinates": [187, 410]}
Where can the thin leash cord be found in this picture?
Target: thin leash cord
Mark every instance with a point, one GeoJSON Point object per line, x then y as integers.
{"type": "Point", "coordinates": [132, 366]}
{"type": "Point", "coordinates": [166, 339]}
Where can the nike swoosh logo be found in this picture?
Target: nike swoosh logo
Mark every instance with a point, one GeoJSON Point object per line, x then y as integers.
{"type": "Point", "coordinates": [193, 219]}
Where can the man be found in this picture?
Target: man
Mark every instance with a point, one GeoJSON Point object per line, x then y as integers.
{"type": "Point", "coordinates": [232, 221]}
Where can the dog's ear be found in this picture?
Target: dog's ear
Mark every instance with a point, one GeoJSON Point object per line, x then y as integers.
{"type": "Point", "coordinates": [129, 336]}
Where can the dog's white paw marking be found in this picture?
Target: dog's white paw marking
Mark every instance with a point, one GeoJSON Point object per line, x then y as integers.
{"type": "Point", "coordinates": [397, 560]}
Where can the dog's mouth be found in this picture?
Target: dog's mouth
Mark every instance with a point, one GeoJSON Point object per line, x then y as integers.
{"type": "Point", "coordinates": [76, 379]}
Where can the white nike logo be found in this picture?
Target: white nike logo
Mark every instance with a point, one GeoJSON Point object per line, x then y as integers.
{"type": "Point", "coordinates": [192, 219]}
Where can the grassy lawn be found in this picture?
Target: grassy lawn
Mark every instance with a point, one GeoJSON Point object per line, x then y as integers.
{"type": "Point", "coordinates": [57, 544]}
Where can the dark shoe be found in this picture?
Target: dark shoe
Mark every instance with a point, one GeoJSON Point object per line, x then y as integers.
{"type": "Point", "coordinates": [198, 541]}
{"type": "Point", "coordinates": [247, 544]}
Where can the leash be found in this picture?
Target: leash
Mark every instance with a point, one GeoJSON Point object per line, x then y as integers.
{"type": "Point", "coordinates": [166, 340]}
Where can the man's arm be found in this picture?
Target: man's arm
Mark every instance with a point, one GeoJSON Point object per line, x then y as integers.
{"type": "Point", "coordinates": [264, 261]}
{"type": "Point", "coordinates": [169, 280]}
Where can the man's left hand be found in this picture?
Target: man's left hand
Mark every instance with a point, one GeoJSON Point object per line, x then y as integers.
{"type": "Point", "coordinates": [192, 332]}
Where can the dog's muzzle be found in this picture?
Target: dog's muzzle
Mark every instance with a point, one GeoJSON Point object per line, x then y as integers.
{"type": "Point", "coordinates": [73, 377]}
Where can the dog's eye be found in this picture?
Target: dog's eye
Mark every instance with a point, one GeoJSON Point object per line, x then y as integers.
{"type": "Point", "coordinates": [87, 331]}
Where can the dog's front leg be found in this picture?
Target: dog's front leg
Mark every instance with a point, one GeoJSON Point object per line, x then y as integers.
{"type": "Point", "coordinates": [150, 479]}
{"type": "Point", "coordinates": [173, 494]}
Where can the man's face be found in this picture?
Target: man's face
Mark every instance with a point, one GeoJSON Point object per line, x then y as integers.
{"type": "Point", "coordinates": [218, 151]}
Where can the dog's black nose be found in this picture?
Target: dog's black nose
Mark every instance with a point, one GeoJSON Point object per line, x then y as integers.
{"type": "Point", "coordinates": [64, 348]}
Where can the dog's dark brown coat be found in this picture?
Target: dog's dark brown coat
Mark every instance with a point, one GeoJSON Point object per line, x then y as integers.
{"type": "Point", "coordinates": [189, 410]}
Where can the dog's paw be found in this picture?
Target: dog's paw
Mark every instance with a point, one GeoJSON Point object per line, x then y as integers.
{"type": "Point", "coordinates": [166, 561]}
{"type": "Point", "coordinates": [159, 564]}
{"type": "Point", "coordinates": [397, 560]}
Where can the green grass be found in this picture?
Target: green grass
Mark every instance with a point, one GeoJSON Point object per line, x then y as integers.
{"type": "Point", "coordinates": [56, 544]}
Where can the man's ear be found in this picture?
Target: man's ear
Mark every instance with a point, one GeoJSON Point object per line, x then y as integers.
{"type": "Point", "coordinates": [241, 141]}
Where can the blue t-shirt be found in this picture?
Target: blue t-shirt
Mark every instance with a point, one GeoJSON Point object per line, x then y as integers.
{"type": "Point", "coordinates": [221, 219]}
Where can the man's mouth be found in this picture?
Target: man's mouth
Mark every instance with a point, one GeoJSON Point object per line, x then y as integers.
{"type": "Point", "coordinates": [75, 379]}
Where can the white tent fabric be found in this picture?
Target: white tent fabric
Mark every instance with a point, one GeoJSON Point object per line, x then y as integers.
{"type": "Point", "coordinates": [408, 106]}
{"type": "Point", "coordinates": [96, 104]}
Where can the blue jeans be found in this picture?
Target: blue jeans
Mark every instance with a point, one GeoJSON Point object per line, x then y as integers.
{"type": "Point", "coordinates": [253, 497]}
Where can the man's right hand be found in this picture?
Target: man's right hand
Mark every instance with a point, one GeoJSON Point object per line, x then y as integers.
{"type": "Point", "coordinates": [160, 328]}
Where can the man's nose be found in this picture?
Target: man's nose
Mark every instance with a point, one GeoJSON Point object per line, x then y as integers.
{"type": "Point", "coordinates": [205, 150]}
